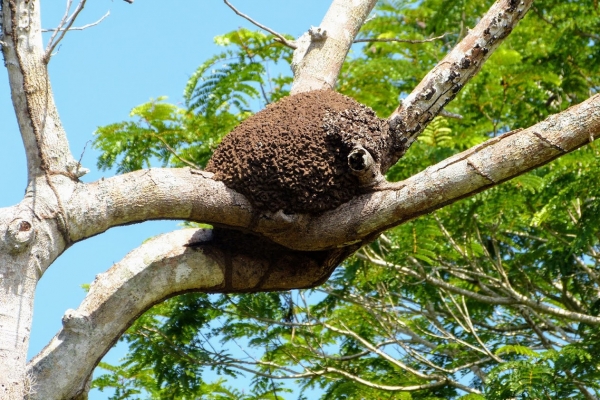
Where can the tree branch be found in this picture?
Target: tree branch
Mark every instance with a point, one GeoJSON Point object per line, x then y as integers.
{"type": "Point", "coordinates": [80, 28]}
{"type": "Point", "coordinates": [177, 262]}
{"type": "Point", "coordinates": [46, 145]}
{"type": "Point", "coordinates": [321, 52]}
{"type": "Point", "coordinates": [451, 74]}
{"type": "Point", "coordinates": [279, 36]}
{"type": "Point", "coordinates": [185, 194]}
{"type": "Point", "coordinates": [397, 40]}
{"type": "Point", "coordinates": [64, 26]}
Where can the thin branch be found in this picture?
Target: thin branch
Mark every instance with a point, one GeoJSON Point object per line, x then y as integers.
{"type": "Point", "coordinates": [66, 22]}
{"type": "Point", "coordinates": [346, 331]}
{"type": "Point", "coordinates": [465, 312]}
{"type": "Point", "coordinates": [79, 28]}
{"type": "Point", "coordinates": [280, 37]}
{"type": "Point", "coordinates": [442, 283]}
{"type": "Point", "coordinates": [174, 153]}
{"type": "Point", "coordinates": [396, 40]}
{"type": "Point", "coordinates": [61, 23]}
{"type": "Point", "coordinates": [449, 114]}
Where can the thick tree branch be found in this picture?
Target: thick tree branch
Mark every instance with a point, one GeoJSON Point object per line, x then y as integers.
{"type": "Point", "coordinates": [184, 194]}
{"type": "Point", "coordinates": [451, 74]}
{"type": "Point", "coordinates": [321, 52]}
{"type": "Point", "coordinates": [46, 145]}
{"type": "Point", "coordinates": [457, 177]}
{"type": "Point", "coordinates": [177, 262]}
{"type": "Point", "coordinates": [142, 278]}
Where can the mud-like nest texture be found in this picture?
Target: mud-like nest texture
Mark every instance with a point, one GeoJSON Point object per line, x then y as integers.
{"type": "Point", "coordinates": [293, 155]}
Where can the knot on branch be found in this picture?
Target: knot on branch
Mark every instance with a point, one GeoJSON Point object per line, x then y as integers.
{"type": "Point", "coordinates": [317, 33]}
{"type": "Point", "coordinates": [76, 169]}
{"type": "Point", "coordinates": [19, 235]}
{"type": "Point", "coordinates": [76, 322]}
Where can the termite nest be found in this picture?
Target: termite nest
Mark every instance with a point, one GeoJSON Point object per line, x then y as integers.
{"type": "Point", "coordinates": [307, 153]}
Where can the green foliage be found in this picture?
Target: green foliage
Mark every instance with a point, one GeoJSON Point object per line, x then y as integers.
{"type": "Point", "coordinates": [485, 298]}
{"type": "Point", "coordinates": [220, 94]}
{"type": "Point", "coordinates": [158, 125]}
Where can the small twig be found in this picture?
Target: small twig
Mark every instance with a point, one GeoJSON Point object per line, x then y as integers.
{"type": "Point", "coordinates": [280, 38]}
{"type": "Point", "coordinates": [80, 28]}
{"type": "Point", "coordinates": [60, 24]}
{"type": "Point", "coordinates": [66, 22]}
{"type": "Point", "coordinates": [174, 153]}
{"type": "Point", "coordinates": [409, 41]}
{"type": "Point", "coordinates": [449, 114]}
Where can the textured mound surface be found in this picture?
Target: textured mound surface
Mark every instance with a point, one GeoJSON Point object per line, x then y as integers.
{"type": "Point", "coordinates": [292, 156]}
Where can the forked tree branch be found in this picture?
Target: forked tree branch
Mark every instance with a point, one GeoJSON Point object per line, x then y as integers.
{"type": "Point", "coordinates": [63, 27]}
{"type": "Point", "coordinates": [177, 262]}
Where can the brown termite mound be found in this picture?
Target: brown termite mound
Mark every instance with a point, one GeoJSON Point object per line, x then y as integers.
{"type": "Point", "coordinates": [307, 153]}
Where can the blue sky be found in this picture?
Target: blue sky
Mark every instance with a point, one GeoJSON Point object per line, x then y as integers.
{"type": "Point", "coordinates": [141, 51]}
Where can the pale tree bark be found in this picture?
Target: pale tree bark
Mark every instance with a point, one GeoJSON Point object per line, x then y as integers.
{"type": "Point", "coordinates": [321, 51]}
{"type": "Point", "coordinates": [35, 231]}
{"type": "Point", "coordinates": [59, 210]}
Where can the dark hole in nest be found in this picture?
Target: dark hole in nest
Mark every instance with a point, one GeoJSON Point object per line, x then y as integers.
{"type": "Point", "coordinates": [356, 161]}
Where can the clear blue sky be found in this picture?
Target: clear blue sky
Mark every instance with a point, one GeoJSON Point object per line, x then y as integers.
{"type": "Point", "coordinates": [141, 51]}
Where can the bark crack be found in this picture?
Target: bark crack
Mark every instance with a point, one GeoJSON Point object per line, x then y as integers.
{"type": "Point", "coordinates": [547, 141]}
{"type": "Point", "coordinates": [468, 153]}
{"type": "Point", "coordinates": [480, 171]}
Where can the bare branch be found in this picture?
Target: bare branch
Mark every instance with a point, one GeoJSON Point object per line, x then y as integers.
{"type": "Point", "coordinates": [62, 22]}
{"type": "Point", "coordinates": [280, 38]}
{"type": "Point", "coordinates": [79, 28]}
{"type": "Point", "coordinates": [63, 27]}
